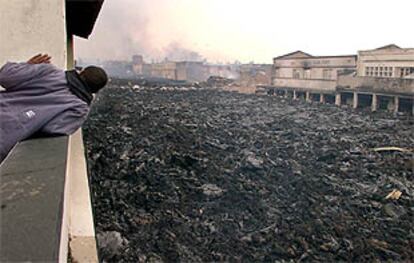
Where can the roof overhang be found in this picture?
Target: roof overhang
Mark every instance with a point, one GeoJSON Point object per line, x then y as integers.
{"type": "Point", "coordinates": [81, 16]}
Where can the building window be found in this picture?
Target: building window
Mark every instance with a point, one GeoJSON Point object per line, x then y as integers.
{"type": "Point", "coordinates": [380, 71]}
{"type": "Point", "coordinates": [367, 71]}
{"type": "Point", "coordinates": [407, 71]}
{"type": "Point", "coordinates": [390, 70]}
{"type": "Point", "coordinates": [327, 74]}
{"type": "Point", "coordinates": [296, 74]}
{"type": "Point", "coordinates": [307, 74]}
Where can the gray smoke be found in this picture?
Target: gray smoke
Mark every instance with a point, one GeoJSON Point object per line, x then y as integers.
{"type": "Point", "coordinates": [175, 52]}
{"type": "Point", "coordinates": [123, 30]}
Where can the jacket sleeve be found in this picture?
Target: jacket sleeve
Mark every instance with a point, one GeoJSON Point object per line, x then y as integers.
{"type": "Point", "coordinates": [14, 74]}
{"type": "Point", "coordinates": [67, 122]}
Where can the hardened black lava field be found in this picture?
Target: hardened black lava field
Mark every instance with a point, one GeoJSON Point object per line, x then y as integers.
{"type": "Point", "coordinates": [199, 175]}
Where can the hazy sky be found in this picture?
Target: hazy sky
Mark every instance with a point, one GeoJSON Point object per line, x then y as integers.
{"type": "Point", "coordinates": [245, 30]}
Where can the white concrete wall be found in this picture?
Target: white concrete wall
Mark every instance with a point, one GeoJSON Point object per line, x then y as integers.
{"type": "Point", "coordinates": [284, 73]}
{"type": "Point", "coordinates": [307, 84]}
{"type": "Point", "coordinates": [314, 73]}
{"type": "Point", "coordinates": [29, 27]}
{"type": "Point", "coordinates": [317, 62]}
{"type": "Point", "coordinates": [379, 85]}
{"type": "Point", "coordinates": [385, 58]}
{"type": "Point", "coordinates": [314, 68]}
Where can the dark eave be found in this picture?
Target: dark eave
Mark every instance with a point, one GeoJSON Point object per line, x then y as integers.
{"type": "Point", "coordinates": [298, 52]}
{"type": "Point", "coordinates": [81, 16]}
{"type": "Point", "coordinates": [318, 57]}
{"type": "Point", "coordinates": [390, 46]}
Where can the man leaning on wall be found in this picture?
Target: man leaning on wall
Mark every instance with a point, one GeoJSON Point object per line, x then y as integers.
{"type": "Point", "coordinates": [41, 99]}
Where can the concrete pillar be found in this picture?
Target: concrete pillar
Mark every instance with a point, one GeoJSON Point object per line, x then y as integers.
{"type": "Point", "coordinates": [338, 99]}
{"type": "Point", "coordinates": [355, 102]}
{"type": "Point", "coordinates": [390, 105]}
{"type": "Point", "coordinates": [295, 95]}
{"type": "Point", "coordinates": [374, 105]}
{"type": "Point", "coordinates": [322, 98]}
{"type": "Point", "coordinates": [412, 111]}
{"type": "Point", "coordinates": [308, 99]}
{"type": "Point", "coordinates": [396, 104]}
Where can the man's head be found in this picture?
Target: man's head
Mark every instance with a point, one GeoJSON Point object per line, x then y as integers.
{"type": "Point", "coordinates": [94, 77]}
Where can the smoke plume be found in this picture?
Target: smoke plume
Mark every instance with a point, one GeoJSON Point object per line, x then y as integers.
{"type": "Point", "coordinates": [126, 28]}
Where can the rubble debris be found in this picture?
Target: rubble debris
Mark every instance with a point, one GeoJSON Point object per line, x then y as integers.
{"type": "Point", "coordinates": [394, 195]}
{"type": "Point", "coordinates": [110, 244]}
{"type": "Point", "coordinates": [211, 189]}
{"type": "Point", "coordinates": [391, 149]}
{"type": "Point", "coordinates": [216, 81]}
{"type": "Point", "coordinates": [205, 176]}
{"type": "Point", "coordinates": [152, 82]}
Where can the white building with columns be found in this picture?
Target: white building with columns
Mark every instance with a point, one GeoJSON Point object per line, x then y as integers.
{"type": "Point", "coordinates": [390, 61]}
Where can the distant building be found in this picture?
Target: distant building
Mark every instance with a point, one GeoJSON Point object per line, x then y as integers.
{"type": "Point", "coordinates": [252, 75]}
{"type": "Point", "coordinates": [230, 71]}
{"type": "Point", "coordinates": [139, 67]}
{"type": "Point", "coordinates": [382, 78]}
{"type": "Point", "coordinates": [137, 59]}
{"type": "Point", "coordinates": [387, 70]}
{"type": "Point", "coordinates": [167, 70]}
{"type": "Point", "coordinates": [191, 71]}
{"type": "Point", "coordinates": [389, 61]}
{"type": "Point", "coordinates": [118, 68]}
{"type": "Point", "coordinates": [304, 71]}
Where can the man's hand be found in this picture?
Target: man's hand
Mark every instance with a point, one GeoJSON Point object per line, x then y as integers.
{"type": "Point", "coordinates": [39, 59]}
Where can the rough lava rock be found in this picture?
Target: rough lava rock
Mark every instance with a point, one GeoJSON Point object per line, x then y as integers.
{"type": "Point", "coordinates": [210, 176]}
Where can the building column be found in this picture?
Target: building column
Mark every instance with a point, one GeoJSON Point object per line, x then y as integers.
{"type": "Point", "coordinates": [374, 105]}
{"type": "Point", "coordinates": [355, 102]}
{"type": "Point", "coordinates": [308, 96]}
{"type": "Point", "coordinates": [338, 99]}
{"type": "Point", "coordinates": [396, 104]}
{"type": "Point", "coordinates": [412, 111]}
{"type": "Point", "coordinates": [322, 98]}
{"type": "Point", "coordinates": [295, 95]}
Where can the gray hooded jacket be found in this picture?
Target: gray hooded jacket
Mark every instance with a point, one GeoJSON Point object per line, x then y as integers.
{"type": "Point", "coordinates": [37, 98]}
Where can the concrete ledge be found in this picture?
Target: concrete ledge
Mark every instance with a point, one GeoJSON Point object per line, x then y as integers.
{"type": "Point", "coordinates": [297, 89]}
{"type": "Point", "coordinates": [32, 193]}
{"type": "Point", "coordinates": [82, 241]}
{"type": "Point", "coordinates": [45, 202]}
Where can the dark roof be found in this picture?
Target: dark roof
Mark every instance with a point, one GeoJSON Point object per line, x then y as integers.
{"type": "Point", "coordinates": [337, 56]}
{"type": "Point", "coordinates": [308, 56]}
{"type": "Point", "coordinates": [81, 16]}
{"type": "Point", "coordinates": [389, 46]}
{"type": "Point", "coordinates": [292, 54]}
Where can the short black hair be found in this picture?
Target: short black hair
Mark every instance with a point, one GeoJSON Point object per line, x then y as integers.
{"type": "Point", "coordinates": [95, 77]}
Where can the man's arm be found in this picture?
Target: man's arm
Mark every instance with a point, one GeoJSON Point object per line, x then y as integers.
{"type": "Point", "coordinates": [67, 122]}
{"type": "Point", "coordinates": [12, 74]}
